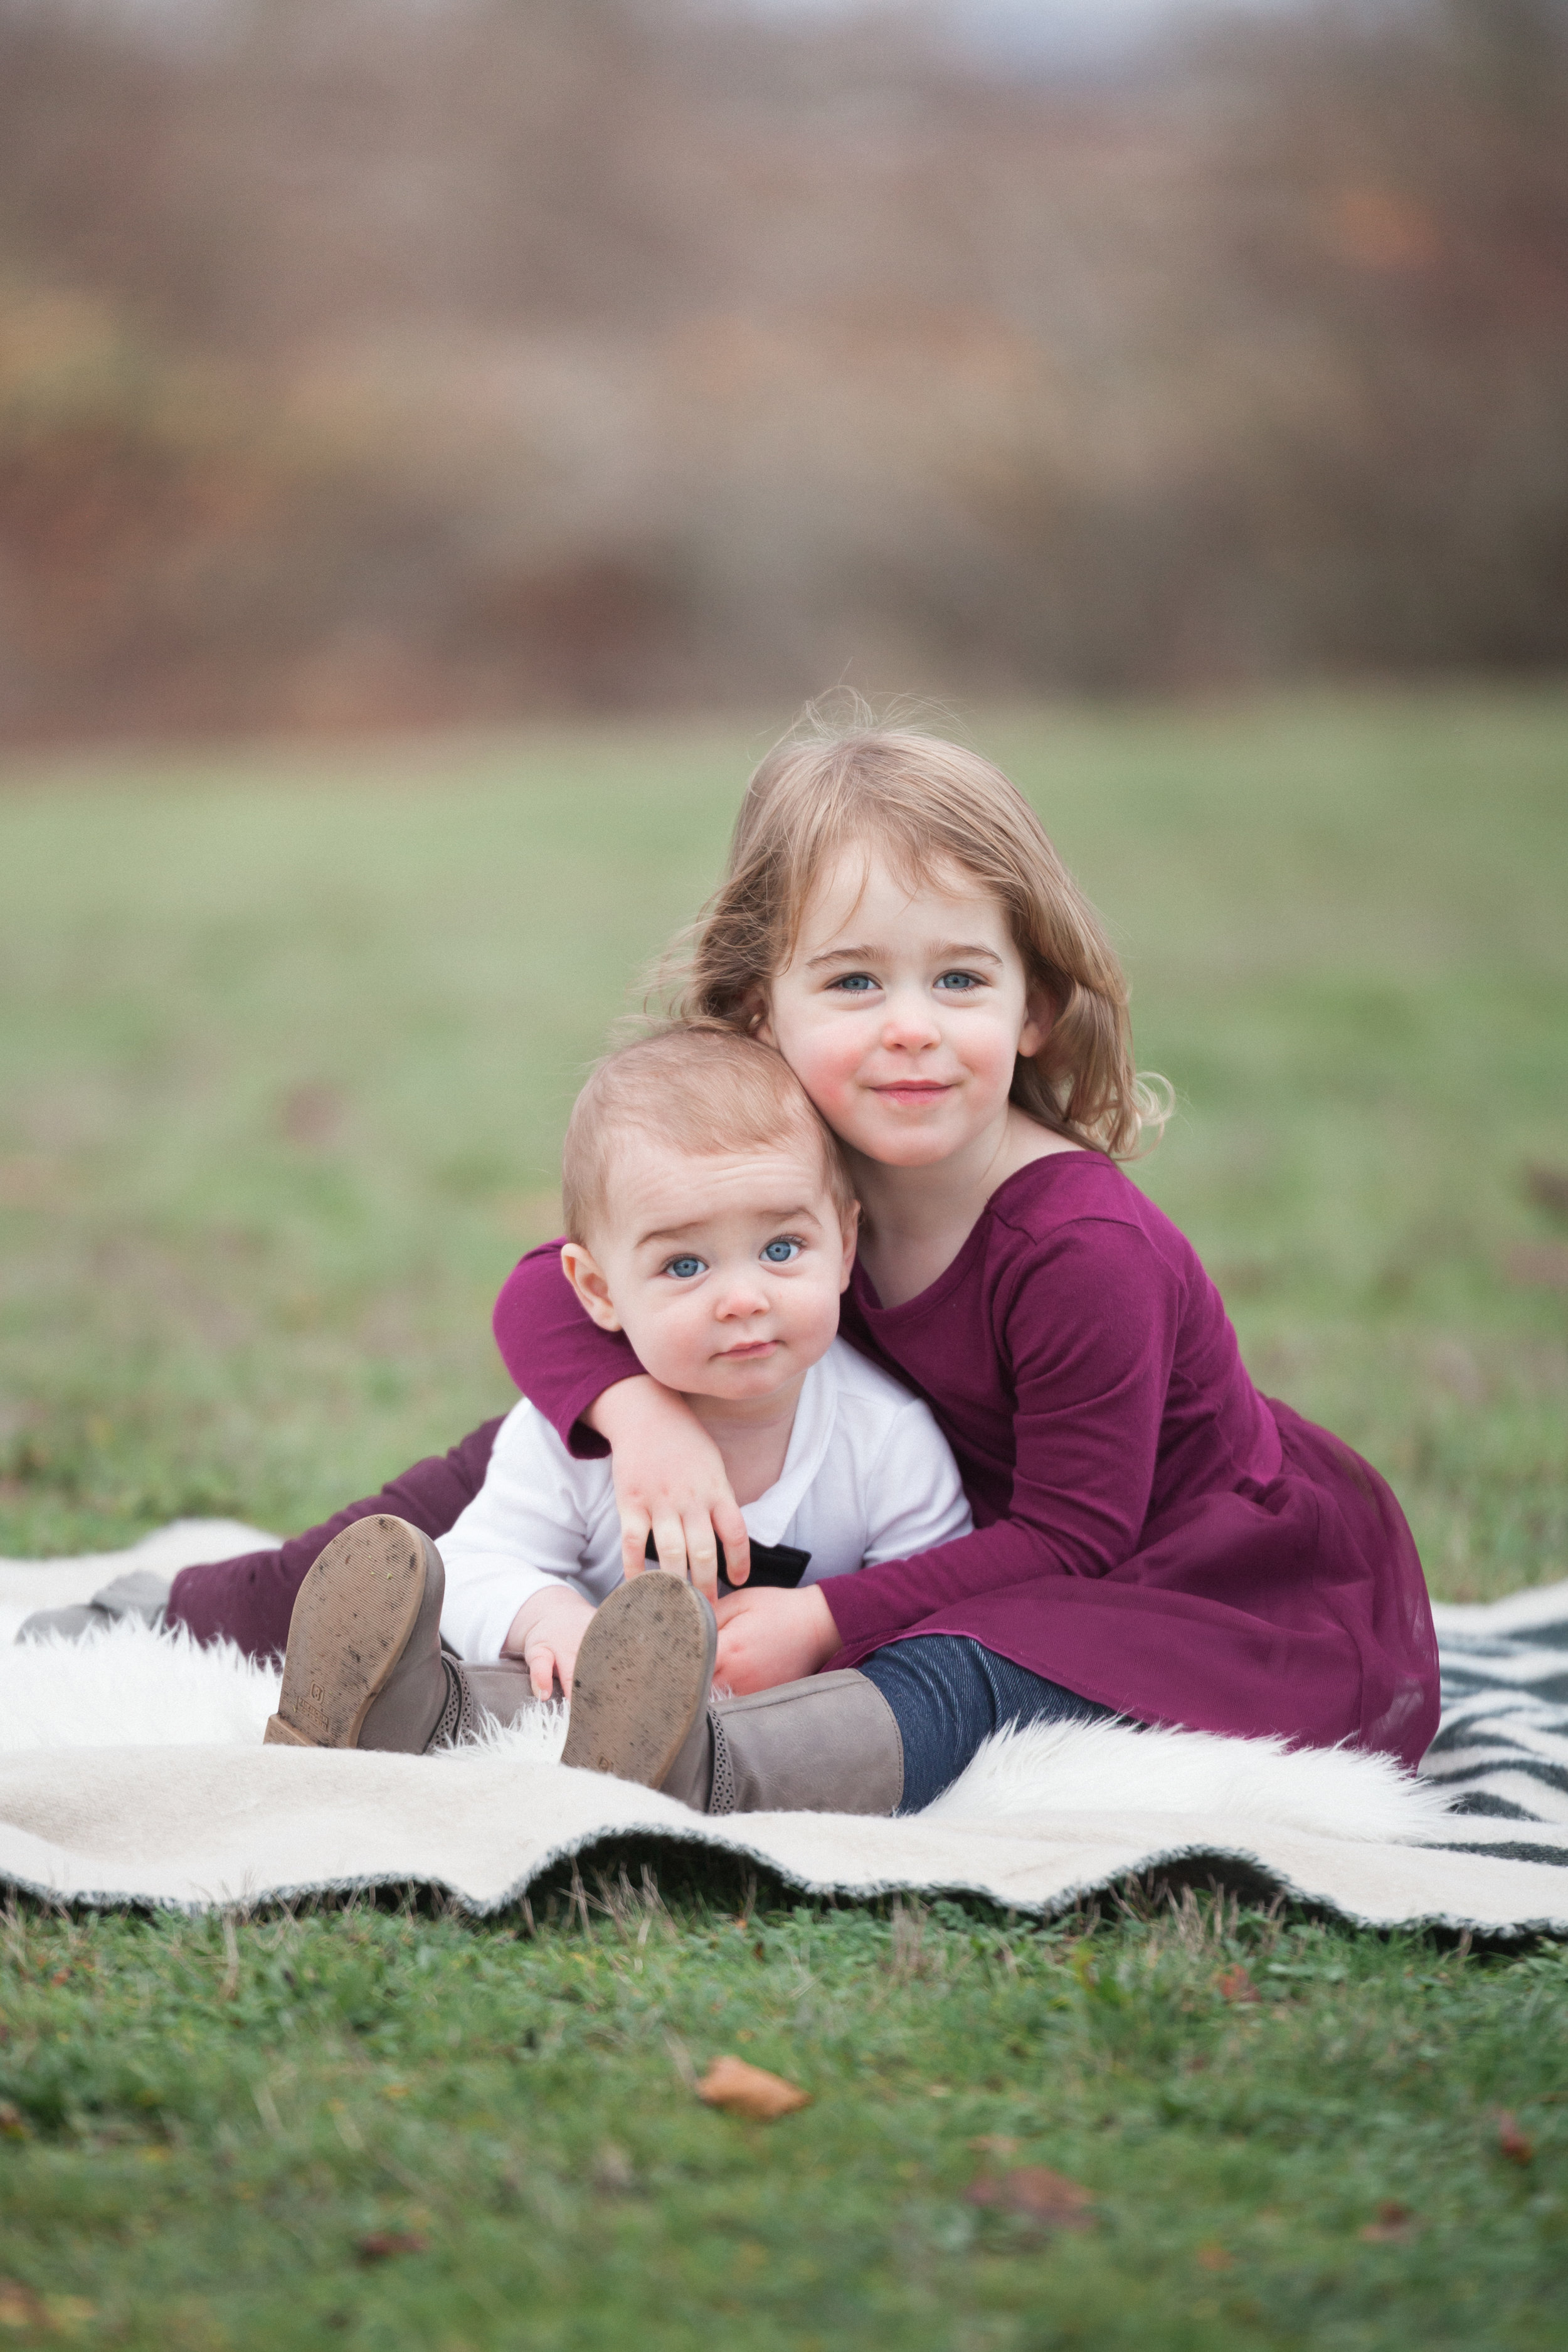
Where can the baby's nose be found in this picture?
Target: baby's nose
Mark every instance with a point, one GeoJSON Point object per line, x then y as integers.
{"type": "Point", "coordinates": [742, 1297]}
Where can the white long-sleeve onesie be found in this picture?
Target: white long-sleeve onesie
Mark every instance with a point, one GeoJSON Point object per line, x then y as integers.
{"type": "Point", "coordinates": [868, 1477]}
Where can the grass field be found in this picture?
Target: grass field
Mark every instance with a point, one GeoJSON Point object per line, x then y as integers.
{"type": "Point", "coordinates": [286, 1044]}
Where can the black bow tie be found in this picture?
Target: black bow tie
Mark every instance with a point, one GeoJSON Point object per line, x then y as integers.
{"type": "Point", "coordinates": [777, 1564]}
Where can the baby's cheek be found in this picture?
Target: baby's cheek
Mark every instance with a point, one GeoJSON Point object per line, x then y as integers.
{"type": "Point", "coordinates": [666, 1347]}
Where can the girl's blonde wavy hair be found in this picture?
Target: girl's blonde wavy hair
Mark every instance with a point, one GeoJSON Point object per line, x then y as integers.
{"type": "Point", "coordinates": [928, 806]}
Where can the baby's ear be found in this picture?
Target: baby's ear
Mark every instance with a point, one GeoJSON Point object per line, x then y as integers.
{"type": "Point", "coordinates": [851, 1235]}
{"type": "Point", "coordinates": [593, 1292]}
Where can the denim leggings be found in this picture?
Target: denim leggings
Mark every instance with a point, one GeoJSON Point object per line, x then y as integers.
{"type": "Point", "coordinates": [949, 1694]}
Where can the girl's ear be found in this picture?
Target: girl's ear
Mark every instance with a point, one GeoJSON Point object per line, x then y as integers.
{"type": "Point", "coordinates": [592, 1291]}
{"type": "Point", "coordinates": [1039, 1018]}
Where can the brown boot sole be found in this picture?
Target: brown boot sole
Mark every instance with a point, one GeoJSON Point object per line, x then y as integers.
{"type": "Point", "coordinates": [643, 1675]}
{"type": "Point", "coordinates": [353, 1617]}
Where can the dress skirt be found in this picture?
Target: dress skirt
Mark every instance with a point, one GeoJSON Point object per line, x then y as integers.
{"type": "Point", "coordinates": [1296, 1607]}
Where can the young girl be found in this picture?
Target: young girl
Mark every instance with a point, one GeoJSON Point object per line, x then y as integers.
{"type": "Point", "coordinates": [1152, 1536]}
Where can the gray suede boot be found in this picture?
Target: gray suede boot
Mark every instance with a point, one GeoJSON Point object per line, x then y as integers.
{"type": "Point", "coordinates": [641, 1709]}
{"type": "Point", "coordinates": [364, 1667]}
{"type": "Point", "coordinates": [140, 1594]}
{"type": "Point", "coordinates": [828, 1745]}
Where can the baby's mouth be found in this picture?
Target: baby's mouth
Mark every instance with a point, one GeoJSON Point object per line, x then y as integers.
{"type": "Point", "coordinates": [748, 1347]}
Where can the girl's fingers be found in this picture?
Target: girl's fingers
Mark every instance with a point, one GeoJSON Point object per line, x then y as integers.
{"type": "Point", "coordinates": [730, 1528]}
{"type": "Point", "coordinates": [702, 1554]}
{"type": "Point", "coordinates": [635, 1526]}
{"type": "Point", "coordinates": [669, 1540]}
{"type": "Point", "coordinates": [541, 1671]}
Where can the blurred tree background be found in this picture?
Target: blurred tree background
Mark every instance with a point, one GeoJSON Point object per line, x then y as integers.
{"type": "Point", "coordinates": [368, 362]}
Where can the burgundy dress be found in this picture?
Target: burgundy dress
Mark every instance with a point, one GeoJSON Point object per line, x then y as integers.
{"type": "Point", "coordinates": [1150, 1531]}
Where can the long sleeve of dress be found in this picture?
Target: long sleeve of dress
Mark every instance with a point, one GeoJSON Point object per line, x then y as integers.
{"type": "Point", "coordinates": [1088, 1331]}
{"type": "Point", "coordinates": [559, 1358]}
{"type": "Point", "coordinates": [1089, 1334]}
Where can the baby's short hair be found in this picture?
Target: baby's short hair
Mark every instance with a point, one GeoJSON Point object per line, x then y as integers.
{"type": "Point", "coordinates": [702, 1088]}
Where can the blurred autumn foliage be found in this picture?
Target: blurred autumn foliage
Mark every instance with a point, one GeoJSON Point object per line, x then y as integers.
{"type": "Point", "coordinates": [369, 361]}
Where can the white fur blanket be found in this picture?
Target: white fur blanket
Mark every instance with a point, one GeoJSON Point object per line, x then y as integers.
{"type": "Point", "coordinates": [131, 1771]}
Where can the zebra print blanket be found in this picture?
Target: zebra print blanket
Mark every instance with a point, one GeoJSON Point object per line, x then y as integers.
{"type": "Point", "coordinates": [1502, 1751]}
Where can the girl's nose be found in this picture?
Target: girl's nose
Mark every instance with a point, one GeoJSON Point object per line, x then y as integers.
{"type": "Point", "coordinates": [908, 1021]}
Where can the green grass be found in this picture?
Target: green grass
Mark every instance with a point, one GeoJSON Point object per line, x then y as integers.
{"type": "Point", "coordinates": [286, 1044]}
{"type": "Point", "coordinates": [203, 2138]}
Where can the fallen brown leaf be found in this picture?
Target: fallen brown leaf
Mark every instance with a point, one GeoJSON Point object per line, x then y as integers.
{"type": "Point", "coordinates": [1234, 1984]}
{"type": "Point", "coordinates": [49, 2314]}
{"type": "Point", "coordinates": [1395, 2225]}
{"type": "Point", "coordinates": [383, 2243]}
{"type": "Point", "coordinates": [19, 2306]}
{"type": "Point", "coordinates": [1215, 2257]}
{"type": "Point", "coordinates": [994, 2143]}
{"type": "Point", "coordinates": [742, 2089]}
{"type": "Point", "coordinates": [1516, 2145]}
{"type": "Point", "coordinates": [1038, 2194]}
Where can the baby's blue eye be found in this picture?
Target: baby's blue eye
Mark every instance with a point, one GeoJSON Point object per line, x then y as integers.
{"type": "Point", "coordinates": [683, 1268]}
{"type": "Point", "coordinates": [780, 1252]}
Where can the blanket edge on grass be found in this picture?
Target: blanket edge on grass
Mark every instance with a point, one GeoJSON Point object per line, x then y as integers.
{"type": "Point", "coordinates": [1236, 1868]}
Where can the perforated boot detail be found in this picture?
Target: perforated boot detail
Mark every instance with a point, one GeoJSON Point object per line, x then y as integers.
{"type": "Point", "coordinates": [457, 1718]}
{"type": "Point", "coordinates": [721, 1798]}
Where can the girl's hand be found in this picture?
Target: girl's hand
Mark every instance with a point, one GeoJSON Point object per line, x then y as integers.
{"type": "Point", "coordinates": [671, 1478]}
{"type": "Point", "coordinates": [767, 1637]}
{"type": "Point", "coordinates": [546, 1635]}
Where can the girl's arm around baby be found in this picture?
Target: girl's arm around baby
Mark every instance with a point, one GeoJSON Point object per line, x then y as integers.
{"type": "Point", "coordinates": [670, 1475]}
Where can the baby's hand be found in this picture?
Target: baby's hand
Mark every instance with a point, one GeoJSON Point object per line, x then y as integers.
{"type": "Point", "coordinates": [771, 1636]}
{"type": "Point", "coordinates": [670, 1477]}
{"type": "Point", "coordinates": [547, 1634]}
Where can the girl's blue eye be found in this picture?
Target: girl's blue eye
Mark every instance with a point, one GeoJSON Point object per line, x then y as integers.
{"type": "Point", "coordinates": [683, 1268]}
{"type": "Point", "coordinates": [959, 983]}
{"type": "Point", "coordinates": [855, 984]}
{"type": "Point", "coordinates": [780, 1252]}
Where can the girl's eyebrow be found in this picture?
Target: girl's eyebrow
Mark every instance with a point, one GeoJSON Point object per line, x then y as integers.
{"type": "Point", "coordinates": [940, 953]}
{"type": "Point", "coordinates": [847, 955]}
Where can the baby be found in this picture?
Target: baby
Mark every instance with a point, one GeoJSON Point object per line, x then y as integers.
{"type": "Point", "coordinates": [711, 1221]}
